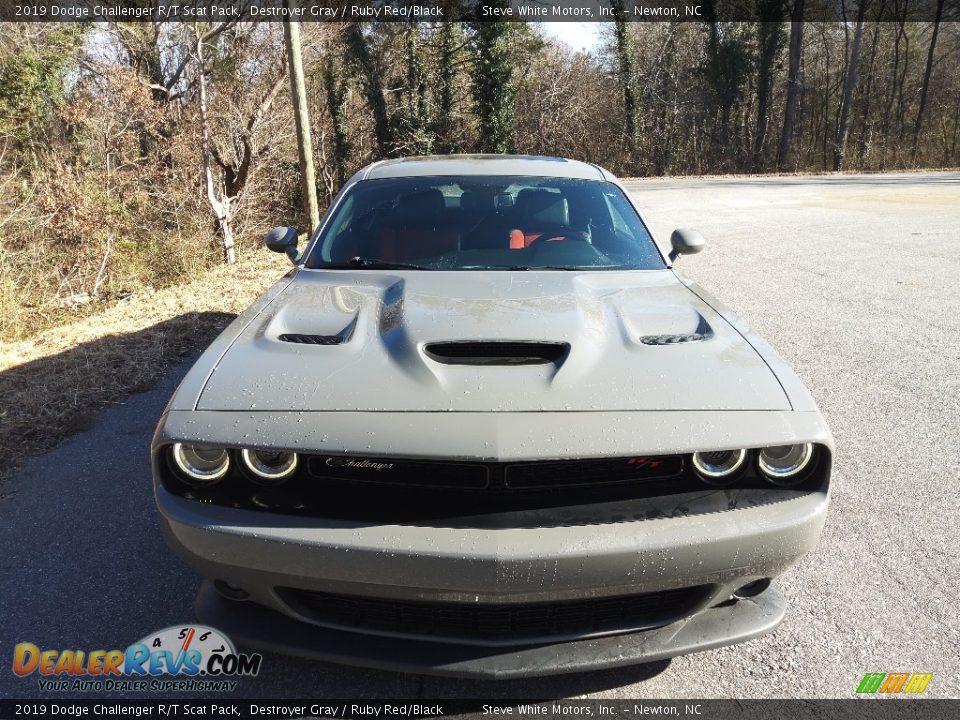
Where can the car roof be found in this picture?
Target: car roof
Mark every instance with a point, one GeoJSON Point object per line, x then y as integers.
{"type": "Point", "coordinates": [439, 165]}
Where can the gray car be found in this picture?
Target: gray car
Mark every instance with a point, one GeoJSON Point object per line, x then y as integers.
{"type": "Point", "coordinates": [482, 428]}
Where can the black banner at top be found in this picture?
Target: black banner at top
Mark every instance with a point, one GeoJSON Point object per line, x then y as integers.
{"type": "Point", "coordinates": [473, 10]}
{"type": "Point", "coordinates": [479, 709]}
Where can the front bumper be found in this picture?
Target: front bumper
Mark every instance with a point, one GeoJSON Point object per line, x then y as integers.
{"type": "Point", "coordinates": [720, 540]}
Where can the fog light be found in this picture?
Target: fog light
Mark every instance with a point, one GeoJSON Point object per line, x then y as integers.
{"type": "Point", "coordinates": [230, 592]}
{"type": "Point", "coordinates": [718, 467]}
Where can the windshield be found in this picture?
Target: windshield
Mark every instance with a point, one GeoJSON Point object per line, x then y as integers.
{"type": "Point", "coordinates": [485, 223]}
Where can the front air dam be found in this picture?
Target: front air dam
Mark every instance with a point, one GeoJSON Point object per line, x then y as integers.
{"type": "Point", "coordinates": [264, 629]}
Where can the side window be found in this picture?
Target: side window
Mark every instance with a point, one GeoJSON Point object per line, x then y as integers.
{"type": "Point", "coordinates": [340, 226]}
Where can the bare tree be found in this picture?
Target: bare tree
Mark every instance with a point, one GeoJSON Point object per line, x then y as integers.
{"type": "Point", "coordinates": [770, 38]}
{"type": "Point", "coordinates": [226, 174]}
{"type": "Point", "coordinates": [625, 51]}
{"type": "Point", "coordinates": [926, 78]}
{"type": "Point", "coordinates": [360, 56]}
{"type": "Point", "coordinates": [850, 83]}
{"type": "Point", "coordinates": [793, 83]}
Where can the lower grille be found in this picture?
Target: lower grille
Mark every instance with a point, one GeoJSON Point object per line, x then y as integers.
{"type": "Point", "coordinates": [503, 624]}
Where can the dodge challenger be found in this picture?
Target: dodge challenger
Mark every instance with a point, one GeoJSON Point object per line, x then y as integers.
{"type": "Point", "coordinates": [482, 428]}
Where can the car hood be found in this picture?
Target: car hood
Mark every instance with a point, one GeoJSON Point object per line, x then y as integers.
{"type": "Point", "coordinates": [611, 340]}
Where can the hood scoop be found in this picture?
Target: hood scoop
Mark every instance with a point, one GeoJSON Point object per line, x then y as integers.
{"type": "Point", "coordinates": [703, 332]}
{"type": "Point", "coordinates": [672, 339]}
{"type": "Point", "coordinates": [496, 353]}
{"type": "Point", "coordinates": [311, 339]}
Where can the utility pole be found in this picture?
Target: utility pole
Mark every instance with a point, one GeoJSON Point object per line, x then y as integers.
{"type": "Point", "coordinates": [298, 96]}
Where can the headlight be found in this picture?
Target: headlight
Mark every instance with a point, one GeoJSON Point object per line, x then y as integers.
{"type": "Point", "coordinates": [201, 465]}
{"type": "Point", "coordinates": [269, 465]}
{"type": "Point", "coordinates": [720, 466]}
{"type": "Point", "coordinates": [782, 464]}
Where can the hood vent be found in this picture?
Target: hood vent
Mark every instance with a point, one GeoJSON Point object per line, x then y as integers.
{"type": "Point", "coordinates": [672, 339]}
{"type": "Point", "coordinates": [307, 339]}
{"type": "Point", "coordinates": [703, 332]}
{"type": "Point", "coordinates": [496, 353]}
{"type": "Point", "coordinates": [311, 339]}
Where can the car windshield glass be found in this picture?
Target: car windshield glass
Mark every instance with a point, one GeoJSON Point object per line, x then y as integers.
{"type": "Point", "coordinates": [485, 223]}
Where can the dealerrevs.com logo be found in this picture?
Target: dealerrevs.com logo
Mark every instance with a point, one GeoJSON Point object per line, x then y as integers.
{"type": "Point", "coordinates": [178, 658]}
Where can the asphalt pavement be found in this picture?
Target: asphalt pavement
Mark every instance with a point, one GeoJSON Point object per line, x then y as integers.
{"type": "Point", "coordinates": [854, 279]}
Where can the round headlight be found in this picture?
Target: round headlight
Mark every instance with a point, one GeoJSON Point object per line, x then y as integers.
{"type": "Point", "coordinates": [782, 464]}
{"type": "Point", "coordinates": [201, 465]}
{"type": "Point", "coordinates": [720, 466]}
{"type": "Point", "coordinates": [269, 465]}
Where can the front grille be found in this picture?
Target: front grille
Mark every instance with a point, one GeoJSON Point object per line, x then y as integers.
{"type": "Point", "coordinates": [579, 473]}
{"type": "Point", "coordinates": [409, 473]}
{"type": "Point", "coordinates": [401, 490]}
{"type": "Point", "coordinates": [496, 353]}
{"type": "Point", "coordinates": [497, 476]}
{"type": "Point", "coordinates": [501, 624]}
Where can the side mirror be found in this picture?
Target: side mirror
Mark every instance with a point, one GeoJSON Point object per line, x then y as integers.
{"type": "Point", "coordinates": [685, 242]}
{"type": "Point", "coordinates": [283, 240]}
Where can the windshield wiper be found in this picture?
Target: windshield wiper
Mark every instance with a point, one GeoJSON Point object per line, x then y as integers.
{"type": "Point", "coordinates": [373, 264]}
{"type": "Point", "coordinates": [548, 267]}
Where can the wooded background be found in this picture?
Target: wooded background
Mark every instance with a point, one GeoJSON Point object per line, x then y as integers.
{"type": "Point", "coordinates": [129, 152]}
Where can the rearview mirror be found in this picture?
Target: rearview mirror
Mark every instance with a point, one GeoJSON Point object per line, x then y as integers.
{"type": "Point", "coordinates": [685, 242]}
{"type": "Point", "coordinates": [283, 240]}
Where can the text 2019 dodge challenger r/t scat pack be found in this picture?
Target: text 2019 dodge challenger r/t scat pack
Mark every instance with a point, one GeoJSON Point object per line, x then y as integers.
{"type": "Point", "coordinates": [483, 429]}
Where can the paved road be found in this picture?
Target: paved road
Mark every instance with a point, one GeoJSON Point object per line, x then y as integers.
{"type": "Point", "coordinates": [854, 279]}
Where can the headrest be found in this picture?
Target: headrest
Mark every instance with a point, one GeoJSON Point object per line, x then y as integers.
{"type": "Point", "coordinates": [420, 208]}
{"type": "Point", "coordinates": [476, 200]}
{"type": "Point", "coordinates": [543, 207]}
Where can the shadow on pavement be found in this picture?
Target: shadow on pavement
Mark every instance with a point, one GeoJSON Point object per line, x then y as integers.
{"type": "Point", "coordinates": [46, 400]}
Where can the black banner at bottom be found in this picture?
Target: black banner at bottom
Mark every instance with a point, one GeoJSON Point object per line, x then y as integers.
{"type": "Point", "coordinates": [854, 709]}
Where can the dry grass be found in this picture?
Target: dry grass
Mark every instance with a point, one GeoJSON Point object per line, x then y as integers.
{"type": "Point", "coordinates": [54, 383]}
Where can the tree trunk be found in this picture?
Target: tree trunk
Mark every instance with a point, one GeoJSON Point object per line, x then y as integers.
{"type": "Point", "coordinates": [301, 115]}
{"type": "Point", "coordinates": [868, 94]}
{"type": "Point", "coordinates": [359, 54]}
{"type": "Point", "coordinates": [624, 52]}
{"type": "Point", "coordinates": [336, 92]}
{"type": "Point", "coordinates": [850, 83]}
{"type": "Point", "coordinates": [443, 124]}
{"type": "Point", "coordinates": [793, 83]}
{"type": "Point", "coordinates": [901, 101]}
{"type": "Point", "coordinates": [418, 113]}
{"type": "Point", "coordinates": [771, 15]}
{"type": "Point", "coordinates": [918, 125]}
{"type": "Point", "coordinates": [493, 87]}
{"type": "Point", "coordinates": [221, 207]}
